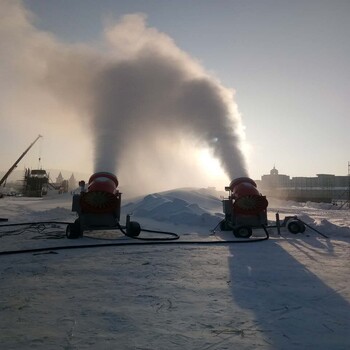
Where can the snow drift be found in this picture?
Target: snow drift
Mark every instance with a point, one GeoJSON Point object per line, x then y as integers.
{"type": "Point", "coordinates": [289, 292]}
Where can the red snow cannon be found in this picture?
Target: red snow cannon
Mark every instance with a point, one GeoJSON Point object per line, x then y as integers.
{"type": "Point", "coordinates": [98, 207]}
{"type": "Point", "coordinates": [246, 197]}
{"type": "Point", "coordinates": [102, 195]}
{"type": "Point", "coordinates": [244, 209]}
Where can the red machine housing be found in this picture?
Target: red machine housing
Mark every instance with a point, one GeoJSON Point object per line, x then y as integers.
{"type": "Point", "coordinates": [246, 197]}
{"type": "Point", "coordinates": [244, 208]}
{"type": "Point", "coordinates": [98, 207]}
{"type": "Point", "coordinates": [102, 195]}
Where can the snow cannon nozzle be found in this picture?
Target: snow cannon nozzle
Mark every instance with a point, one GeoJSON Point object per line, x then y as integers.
{"type": "Point", "coordinates": [246, 197]}
{"type": "Point", "coordinates": [101, 195]}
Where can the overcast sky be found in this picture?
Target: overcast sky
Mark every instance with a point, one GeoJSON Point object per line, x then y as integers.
{"type": "Point", "coordinates": [288, 62]}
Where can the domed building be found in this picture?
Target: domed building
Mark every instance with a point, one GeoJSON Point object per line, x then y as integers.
{"type": "Point", "coordinates": [275, 180]}
{"type": "Point", "coordinates": [322, 188]}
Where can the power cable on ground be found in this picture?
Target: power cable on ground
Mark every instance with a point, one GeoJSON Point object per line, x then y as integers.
{"type": "Point", "coordinates": [146, 241]}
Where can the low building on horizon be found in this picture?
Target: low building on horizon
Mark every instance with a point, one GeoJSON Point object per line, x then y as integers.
{"type": "Point", "coordinates": [326, 188]}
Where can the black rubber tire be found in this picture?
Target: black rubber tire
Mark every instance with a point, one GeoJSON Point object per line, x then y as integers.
{"type": "Point", "coordinates": [302, 227]}
{"type": "Point", "coordinates": [295, 227]}
{"type": "Point", "coordinates": [133, 229]}
{"type": "Point", "coordinates": [73, 230]}
{"type": "Point", "coordinates": [243, 232]}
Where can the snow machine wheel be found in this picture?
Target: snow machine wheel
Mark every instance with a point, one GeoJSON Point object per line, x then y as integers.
{"type": "Point", "coordinates": [295, 227]}
{"type": "Point", "coordinates": [242, 232]}
{"type": "Point", "coordinates": [302, 227]}
{"type": "Point", "coordinates": [133, 229]}
{"type": "Point", "coordinates": [73, 231]}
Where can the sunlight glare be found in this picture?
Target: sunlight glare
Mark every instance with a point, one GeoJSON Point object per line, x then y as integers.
{"type": "Point", "coordinates": [211, 165]}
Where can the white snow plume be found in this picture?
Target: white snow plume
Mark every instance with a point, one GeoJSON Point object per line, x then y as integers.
{"type": "Point", "coordinates": [155, 91]}
{"type": "Point", "coordinates": [150, 99]}
{"type": "Point", "coordinates": [150, 106]}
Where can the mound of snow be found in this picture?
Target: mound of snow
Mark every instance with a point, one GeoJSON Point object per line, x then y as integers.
{"type": "Point", "coordinates": [324, 225]}
{"type": "Point", "coordinates": [190, 207]}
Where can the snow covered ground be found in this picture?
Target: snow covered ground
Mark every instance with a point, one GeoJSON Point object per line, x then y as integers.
{"type": "Point", "coordinates": [288, 292]}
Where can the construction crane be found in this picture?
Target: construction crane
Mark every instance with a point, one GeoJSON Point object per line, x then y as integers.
{"type": "Point", "coordinates": [3, 180]}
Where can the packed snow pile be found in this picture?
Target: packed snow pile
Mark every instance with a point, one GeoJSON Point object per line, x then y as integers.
{"type": "Point", "coordinates": [183, 206]}
{"type": "Point", "coordinates": [27, 209]}
{"type": "Point", "coordinates": [337, 228]}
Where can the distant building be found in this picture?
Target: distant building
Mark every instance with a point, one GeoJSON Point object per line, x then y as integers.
{"type": "Point", "coordinates": [59, 179]}
{"type": "Point", "coordinates": [63, 185]}
{"type": "Point", "coordinates": [322, 188]}
{"type": "Point", "coordinates": [72, 183]}
{"type": "Point", "coordinates": [275, 179]}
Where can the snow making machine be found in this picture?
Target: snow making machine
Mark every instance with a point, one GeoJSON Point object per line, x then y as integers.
{"type": "Point", "coordinates": [98, 207]}
{"type": "Point", "coordinates": [244, 209]}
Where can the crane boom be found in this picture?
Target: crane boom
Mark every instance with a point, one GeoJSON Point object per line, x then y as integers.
{"type": "Point", "coordinates": [18, 160]}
